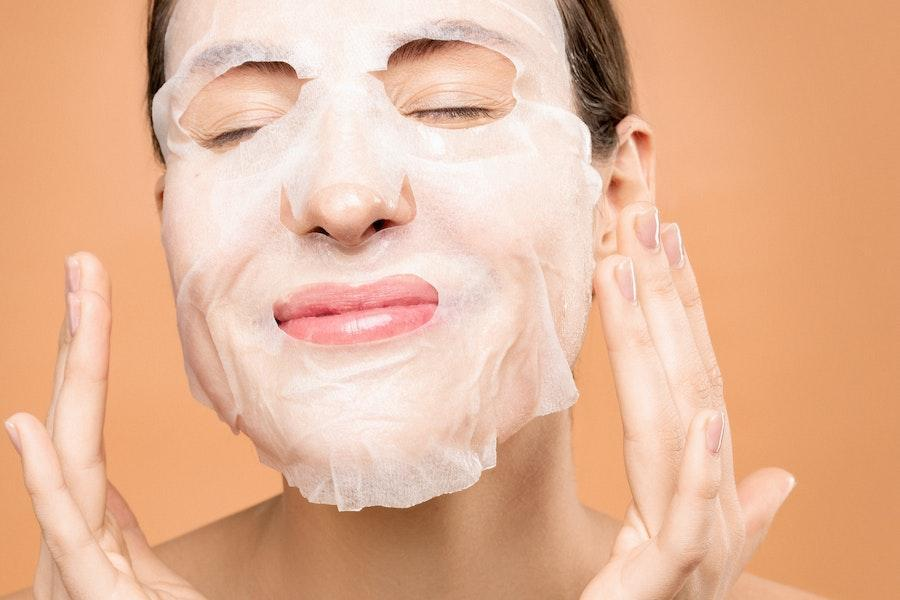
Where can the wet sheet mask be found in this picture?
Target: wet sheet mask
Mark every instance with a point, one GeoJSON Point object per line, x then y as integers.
{"type": "Point", "coordinates": [502, 230]}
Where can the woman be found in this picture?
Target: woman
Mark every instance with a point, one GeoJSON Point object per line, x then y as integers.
{"type": "Point", "coordinates": [436, 144]}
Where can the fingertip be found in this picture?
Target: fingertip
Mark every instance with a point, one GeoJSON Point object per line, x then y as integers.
{"type": "Point", "coordinates": [715, 431]}
{"type": "Point", "coordinates": [13, 433]}
{"type": "Point", "coordinates": [709, 424]}
{"type": "Point", "coordinates": [790, 482]}
{"type": "Point", "coordinates": [93, 275]}
{"type": "Point", "coordinates": [21, 420]}
{"type": "Point", "coordinates": [614, 278]}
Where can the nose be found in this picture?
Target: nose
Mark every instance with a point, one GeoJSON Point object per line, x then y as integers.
{"type": "Point", "coordinates": [349, 213]}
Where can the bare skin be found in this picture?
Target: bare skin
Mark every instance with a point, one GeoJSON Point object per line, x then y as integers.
{"type": "Point", "coordinates": [520, 532]}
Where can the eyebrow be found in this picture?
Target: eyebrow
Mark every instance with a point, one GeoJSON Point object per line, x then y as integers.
{"type": "Point", "coordinates": [453, 30]}
{"type": "Point", "coordinates": [220, 54]}
{"type": "Point", "coordinates": [432, 35]}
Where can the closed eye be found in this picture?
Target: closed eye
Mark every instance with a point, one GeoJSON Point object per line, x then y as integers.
{"type": "Point", "coordinates": [234, 106]}
{"type": "Point", "coordinates": [453, 113]}
{"type": "Point", "coordinates": [227, 138]}
{"type": "Point", "coordinates": [449, 83]}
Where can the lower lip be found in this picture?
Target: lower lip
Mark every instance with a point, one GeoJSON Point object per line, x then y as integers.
{"type": "Point", "coordinates": [360, 326]}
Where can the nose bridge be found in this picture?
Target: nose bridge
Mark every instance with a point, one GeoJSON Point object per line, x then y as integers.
{"type": "Point", "coordinates": [354, 176]}
{"type": "Point", "coordinates": [355, 140]}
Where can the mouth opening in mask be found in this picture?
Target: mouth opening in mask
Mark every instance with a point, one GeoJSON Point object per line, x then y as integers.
{"type": "Point", "coordinates": [340, 314]}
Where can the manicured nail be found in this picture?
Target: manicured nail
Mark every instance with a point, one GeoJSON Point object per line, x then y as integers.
{"type": "Point", "coordinates": [715, 432]}
{"type": "Point", "coordinates": [674, 245]}
{"type": "Point", "coordinates": [13, 435]}
{"type": "Point", "coordinates": [73, 274]}
{"type": "Point", "coordinates": [624, 272]}
{"type": "Point", "coordinates": [646, 228]}
{"type": "Point", "coordinates": [74, 312]}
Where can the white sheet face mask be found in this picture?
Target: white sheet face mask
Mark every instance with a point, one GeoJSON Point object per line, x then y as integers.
{"type": "Point", "coordinates": [493, 222]}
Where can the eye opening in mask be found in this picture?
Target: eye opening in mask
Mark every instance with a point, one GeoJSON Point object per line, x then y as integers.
{"type": "Point", "coordinates": [235, 105]}
{"type": "Point", "coordinates": [449, 84]}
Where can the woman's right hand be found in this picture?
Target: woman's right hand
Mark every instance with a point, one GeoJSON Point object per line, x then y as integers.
{"type": "Point", "coordinates": [92, 546]}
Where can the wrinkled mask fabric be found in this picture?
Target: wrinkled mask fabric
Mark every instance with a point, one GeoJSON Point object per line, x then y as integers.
{"type": "Point", "coordinates": [502, 230]}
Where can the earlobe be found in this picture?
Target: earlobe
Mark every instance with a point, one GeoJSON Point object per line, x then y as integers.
{"type": "Point", "coordinates": [158, 193]}
{"type": "Point", "coordinates": [629, 176]}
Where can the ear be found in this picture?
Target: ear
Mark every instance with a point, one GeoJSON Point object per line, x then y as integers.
{"type": "Point", "coordinates": [629, 175]}
{"type": "Point", "coordinates": [158, 193]}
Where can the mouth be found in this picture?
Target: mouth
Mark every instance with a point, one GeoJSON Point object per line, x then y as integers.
{"type": "Point", "coordinates": [338, 314]}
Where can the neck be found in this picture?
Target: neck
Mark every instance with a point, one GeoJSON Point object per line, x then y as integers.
{"type": "Point", "coordinates": [519, 532]}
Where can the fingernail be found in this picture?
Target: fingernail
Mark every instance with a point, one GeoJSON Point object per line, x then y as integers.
{"type": "Point", "coordinates": [646, 228]}
{"type": "Point", "coordinates": [74, 312]}
{"type": "Point", "coordinates": [73, 274]}
{"type": "Point", "coordinates": [625, 278]}
{"type": "Point", "coordinates": [13, 435]}
{"type": "Point", "coordinates": [791, 484]}
{"type": "Point", "coordinates": [715, 432]}
{"type": "Point", "coordinates": [672, 242]}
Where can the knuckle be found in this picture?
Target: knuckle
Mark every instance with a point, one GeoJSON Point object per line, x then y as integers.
{"type": "Point", "coordinates": [707, 489]}
{"type": "Point", "coordinates": [698, 384]}
{"type": "Point", "coordinates": [657, 444]}
{"type": "Point", "coordinates": [691, 298]}
{"type": "Point", "coordinates": [661, 434]}
{"type": "Point", "coordinates": [658, 282]}
{"type": "Point", "coordinates": [88, 463]}
{"type": "Point", "coordinates": [640, 338]}
{"type": "Point", "coordinates": [634, 336]}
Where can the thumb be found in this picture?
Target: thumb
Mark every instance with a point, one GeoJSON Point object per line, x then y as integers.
{"type": "Point", "coordinates": [762, 494]}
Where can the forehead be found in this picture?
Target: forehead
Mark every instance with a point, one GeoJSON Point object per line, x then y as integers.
{"type": "Point", "coordinates": [328, 27]}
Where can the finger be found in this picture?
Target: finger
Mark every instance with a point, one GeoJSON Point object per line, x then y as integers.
{"type": "Point", "coordinates": [72, 284]}
{"type": "Point", "coordinates": [652, 430]}
{"type": "Point", "coordinates": [82, 271]}
{"type": "Point", "coordinates": [683, 277]}
{"type": "Point", "coordinates": [682, 273]}
{"type": "Point", "coordinates": [660, 569]}
{"type": "Point", "coordinates": [685, 281]}
{"type": "Point", "coordinates": [762, 494]}
{"type": "Point", "coordinates": [81, 403]}
{"type": "Point", "coordinates": [638, 236]}
{"type": "Point", "coordinates": [84, 567]}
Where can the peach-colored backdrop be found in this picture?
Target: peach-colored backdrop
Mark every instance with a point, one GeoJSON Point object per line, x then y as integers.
{"type": "Point", "coordinates": [778, 149]}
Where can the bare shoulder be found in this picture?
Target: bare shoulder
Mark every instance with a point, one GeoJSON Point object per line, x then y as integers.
{"type": "Point", "coordinates": [752, 587]}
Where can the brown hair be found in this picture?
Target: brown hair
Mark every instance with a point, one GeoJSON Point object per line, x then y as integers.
{"type": "Point", "coordinates": [595, 45]}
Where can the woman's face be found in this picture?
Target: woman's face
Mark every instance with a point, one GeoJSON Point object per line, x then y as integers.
{"type": "Point", "coordinates": [378, 223]}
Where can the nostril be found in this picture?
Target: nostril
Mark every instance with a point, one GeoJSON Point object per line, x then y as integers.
{"type": "Point", "coordinates": [379, 224]}
{"type": "Point", "coordinates": [319, 230]}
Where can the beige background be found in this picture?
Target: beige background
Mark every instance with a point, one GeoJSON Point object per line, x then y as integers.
{"type": "Point", "coordinates": [777, 142]}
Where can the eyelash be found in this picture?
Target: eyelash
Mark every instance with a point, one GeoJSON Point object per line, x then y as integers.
{"type": "Point", "coordinates": [451, 112]}
{"type": "Point", "coordinates": [230, 137]}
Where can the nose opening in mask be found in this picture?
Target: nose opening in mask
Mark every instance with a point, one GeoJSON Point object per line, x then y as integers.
{"type": "Point", "coordinates": [348, 213]}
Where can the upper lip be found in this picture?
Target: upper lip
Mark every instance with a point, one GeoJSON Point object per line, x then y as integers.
{"type": "Point", "coordinates": [322, 299]}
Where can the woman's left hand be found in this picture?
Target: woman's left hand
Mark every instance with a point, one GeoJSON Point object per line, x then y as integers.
{"type": "Point", "coordinates": [689, 530]}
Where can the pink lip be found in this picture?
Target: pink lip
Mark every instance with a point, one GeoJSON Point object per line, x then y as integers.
{"type": "Point", "coordinates": [332, 313]}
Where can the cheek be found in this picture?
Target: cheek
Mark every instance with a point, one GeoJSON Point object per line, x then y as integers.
{"type": "Point", "coordinates": [520, 213]}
